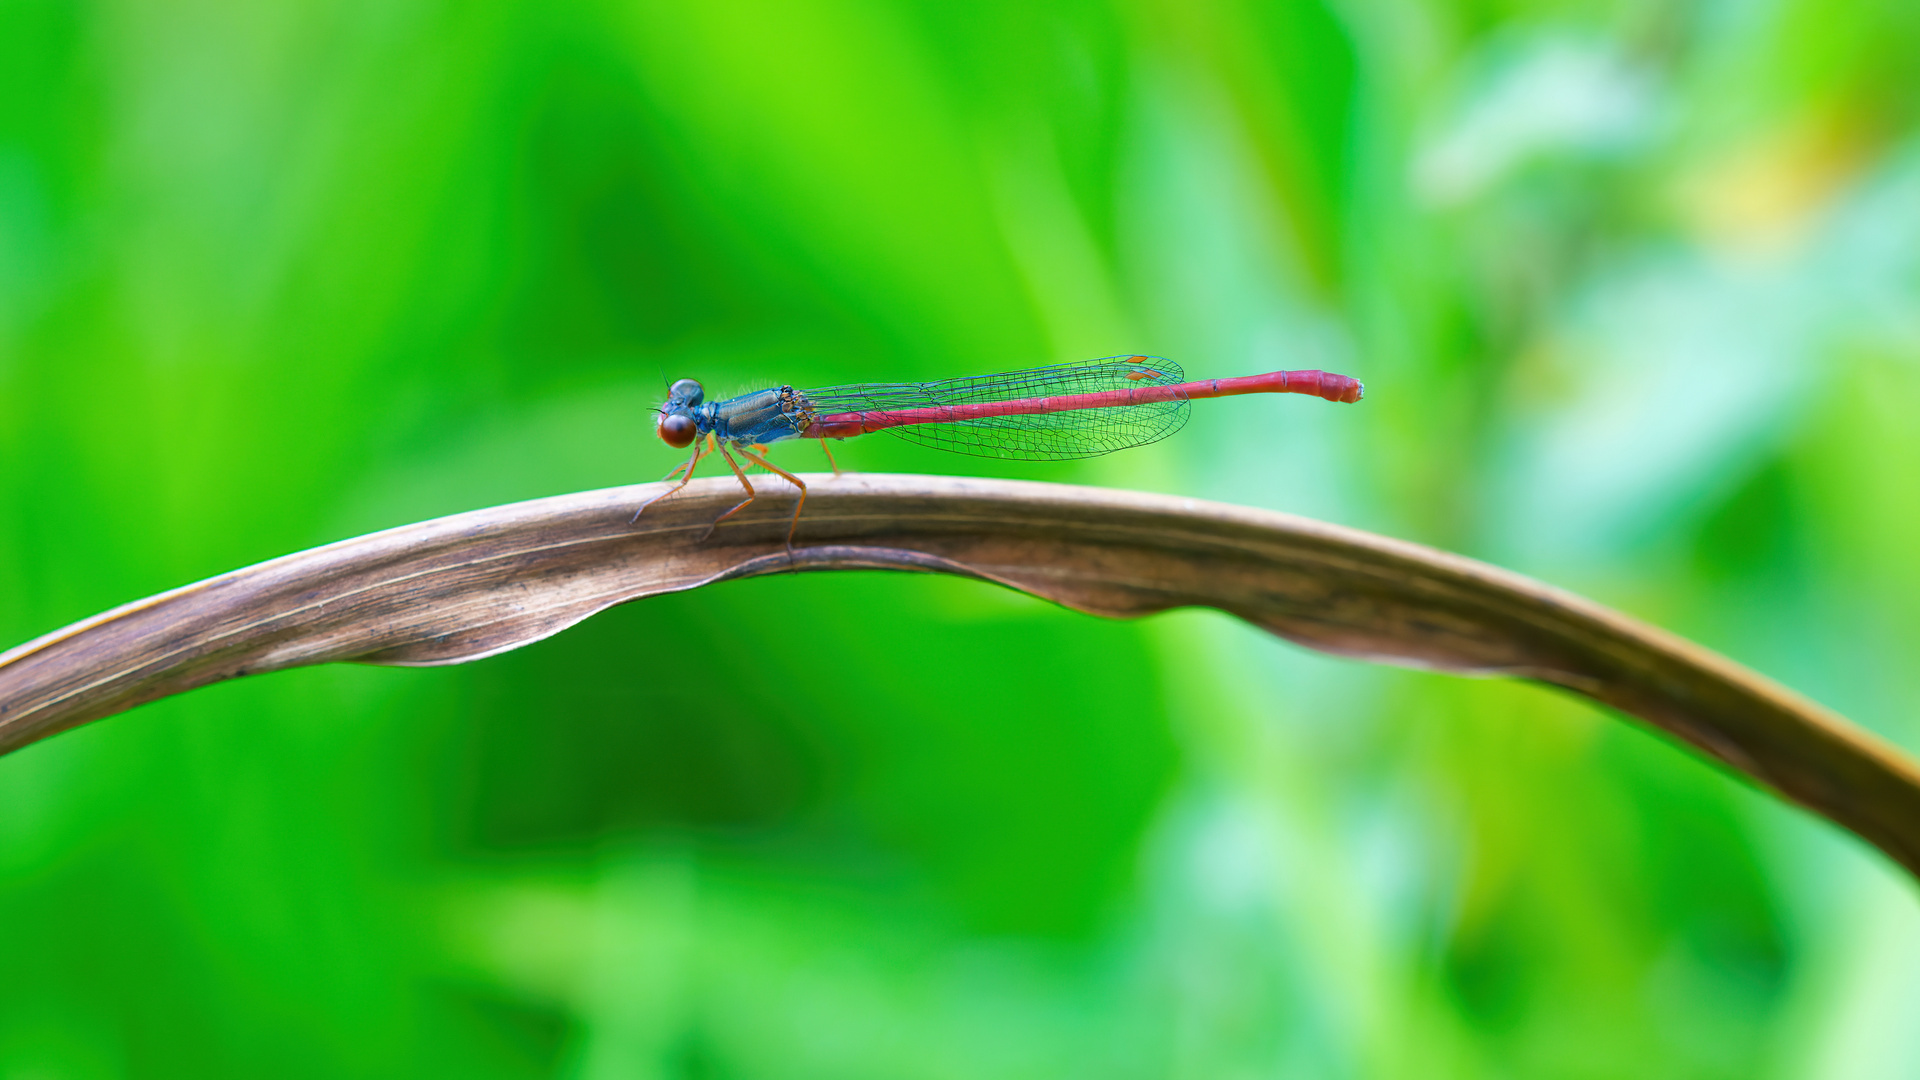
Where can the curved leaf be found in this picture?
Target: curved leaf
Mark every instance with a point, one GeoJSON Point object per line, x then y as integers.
{"type": "Point", "coordinates": [463, 587]}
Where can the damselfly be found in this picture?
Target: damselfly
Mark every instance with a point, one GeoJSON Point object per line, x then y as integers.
{"type": "Point", "coordinates": [1041, 414]}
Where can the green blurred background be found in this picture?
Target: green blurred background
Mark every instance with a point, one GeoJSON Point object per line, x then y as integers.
{"type": "Point", "coordinates": [1635, 288]}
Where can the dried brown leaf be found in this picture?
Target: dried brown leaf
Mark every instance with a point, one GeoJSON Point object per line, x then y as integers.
{"type": "Point", "coordinates": [463, 587]}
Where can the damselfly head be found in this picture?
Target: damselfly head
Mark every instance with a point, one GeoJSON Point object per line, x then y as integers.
{"type": "Point", "coordinates": [676, 426]}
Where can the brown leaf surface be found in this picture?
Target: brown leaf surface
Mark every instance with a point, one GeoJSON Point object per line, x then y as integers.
{"type": "Point", "coordinates": [463, 587]}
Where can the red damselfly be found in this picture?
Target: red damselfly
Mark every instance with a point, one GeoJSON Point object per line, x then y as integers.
{"type": "Point", "coordinates": [1041, 414]}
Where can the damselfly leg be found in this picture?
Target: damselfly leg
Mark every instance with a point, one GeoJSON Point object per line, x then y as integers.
{"type": "Point", "coordinates": [699, 451]}
{"type": "Point", "coordinates": [792, 479]}
{"type": "Point", "coordinates": [741, 505]}
{"type": "Point", "coordinates": [829, 453]}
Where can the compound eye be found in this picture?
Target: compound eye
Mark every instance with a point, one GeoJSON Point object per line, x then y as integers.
{"type": "Point", "coordinates": [688, 391]}
{"type": "Point", "coordinates": [678, 430]}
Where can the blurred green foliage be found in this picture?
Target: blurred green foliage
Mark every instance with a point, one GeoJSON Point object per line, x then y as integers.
{"type": "Point", "coordinates": [1636, 291]}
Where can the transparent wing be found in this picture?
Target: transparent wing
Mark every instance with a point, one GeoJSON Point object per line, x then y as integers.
{"type": "Point", "coordinates": [1045, 436]}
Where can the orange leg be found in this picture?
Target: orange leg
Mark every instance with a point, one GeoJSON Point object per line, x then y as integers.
{"type": "Point", "coordinates": [794, 480]}
{"type": "Point", "coordinates": [743, 504]}
{"type": "Point", "coordinates": [698, 453]}
{"type": "Point", "coordinates": [829, 453]}
{"type": "Point", "coordinates": [688, 465]}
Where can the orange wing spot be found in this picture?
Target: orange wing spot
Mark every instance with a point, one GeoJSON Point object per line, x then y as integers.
{"type": "Point", "coordinates": [1143, 374]}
